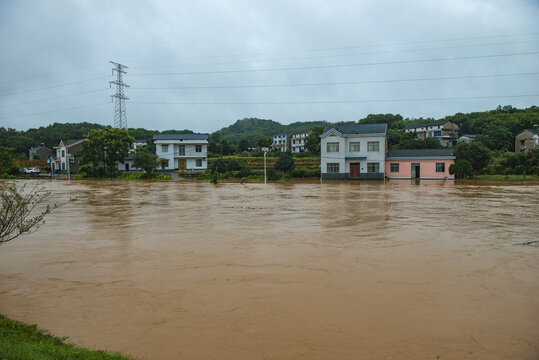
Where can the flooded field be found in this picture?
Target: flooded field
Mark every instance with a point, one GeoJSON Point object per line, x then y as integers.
{"type": "Point", "coordinates": [299, 271]}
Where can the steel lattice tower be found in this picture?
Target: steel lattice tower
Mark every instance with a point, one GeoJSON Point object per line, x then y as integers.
{"type": "Point", "coordinates": [120, 115]}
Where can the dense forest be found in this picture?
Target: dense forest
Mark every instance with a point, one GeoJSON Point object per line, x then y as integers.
{"type": "Point", "coordinates": [496, 129]}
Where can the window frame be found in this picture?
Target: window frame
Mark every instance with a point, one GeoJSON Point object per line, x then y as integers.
{"type": "Point", "coordinates": [198, 148]}
{"type": "Point", "coordinates": [376, 167]}
{"type": "Point", "coordinates": [392, 167]}
{"type": "Point", "coordinates": [333, 168]}
{"type": "Point", "coordinates": [198, 163]}
{"type": "Point", "coordinates": [440, 165]}
{"type": "Point", "coordinates": [332, 145]}
{"type": "Point", "coordinates": [164, 148]}
{"type": "Point", "coordinates": [373, 146]}
{"type": "Point", "coordinates": [358, 143]}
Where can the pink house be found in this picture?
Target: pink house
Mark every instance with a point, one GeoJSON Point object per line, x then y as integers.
{"type": "Point", "coordinates": [424, 164]}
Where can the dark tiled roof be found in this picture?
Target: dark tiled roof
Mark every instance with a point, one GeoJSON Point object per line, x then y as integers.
{"type": "Point", "coordinates": [420, 153]}
{"type": "Point", "coordinates": [434, 123]}
{"type": "Point", "coordinates": [359, 129]}
{"type": "Point", "coordinates": [533, 131]}
{"type": "Point", "coordinates": [180, 137]}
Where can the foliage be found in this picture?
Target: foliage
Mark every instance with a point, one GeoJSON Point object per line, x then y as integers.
{"type": "Point", "coordinates": [400, 140]}
{"type": "Point", "coordinates": [522, 163]}
{"type": "Point", "coordinates": [475, 152]}
{"type": "Point", "coordinates": [107, 147]}
{"type": "Point", "coordinates": [274, 175]}
{"type": "Point", "coordinates": [144, 176]}
{"type": "Point", "coordinates": [26, 342]}
{"type": "Point", "coordinates": [265, 141]}
{"type": "Point", "coordinates": [285, 163]}
{"type": "Point", "coordinates": [462, 169]}
{"type": "Point", "coordinates": [243, 145]}
{"type": "Point", "coordinates": [17, 206]}
{"type": "Point", "coordinates": [144, 160]}
{"type": "Point", "coordinates": [219, 166]}
{"type": "Point", "coordinates": [312, 142]}
{"type": "Point", "coordinates": [392, 121]}
{"type": "Point", "coordinates": [233, 165]}
{"type": "Point", "coordinates": [7, 164]}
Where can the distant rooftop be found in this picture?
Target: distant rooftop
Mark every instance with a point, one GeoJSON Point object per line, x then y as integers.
{"type": "Point", "coordinates": [432, 123]}
{"type": "Point", "coordinates": [359, 129]}
{"type": "Point", "coordinates": [533, 131]}
{"type": "Point", "coordinates": [470, 136]}
{"type": "Point", "coordinates": [410, 153]}
{"type": "Point", "coordinates": [180, 137]}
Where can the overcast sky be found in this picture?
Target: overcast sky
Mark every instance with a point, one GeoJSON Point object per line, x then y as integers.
{"type": "Point", "coordinates": [202, 65]}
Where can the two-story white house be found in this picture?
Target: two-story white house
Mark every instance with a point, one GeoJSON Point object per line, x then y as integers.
{"type": "Point", "coordinates": [297, 141]}
{"type": "Point", "coordinates": [353, 151]}
{"type": "Point", "coordinates": [281, 142]}
{"type": "Point", "coordinates": [184, 152]}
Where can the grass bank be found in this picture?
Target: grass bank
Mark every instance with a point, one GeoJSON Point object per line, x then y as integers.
{"type": "Point", "coordinates": [26, 342]}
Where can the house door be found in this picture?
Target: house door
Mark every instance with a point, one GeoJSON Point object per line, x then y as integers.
{"type": "Point", "coordinates": [354, 170]}
{"type": "Point", "coordinates": [126, 167]}
{"type": "Point", "coordinates": [182, 164]}
{"type": "Point", "coordinates": [416, 171]}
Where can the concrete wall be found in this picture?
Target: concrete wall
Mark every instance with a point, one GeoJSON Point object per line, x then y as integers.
{"type": "Point", "coordinates": [427, 168]}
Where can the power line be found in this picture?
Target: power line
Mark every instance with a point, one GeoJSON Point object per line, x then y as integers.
{"type": "Point", "coordinates": [337, 55]}
{"type": "Point", "coordinates": [334, 83]}
{"type": "Point", "coordinates": [55, 86]}
{"type": "Point", "coordinates": [56, 98]}
{"type": "Point", "coordinates": [346, 47]}
{"type": "Point", "coordinates": [338, 65]}
{"type": "Point", "coordinates": [336, 101]}
{"type": "Point", "coordinates": [54, 111]}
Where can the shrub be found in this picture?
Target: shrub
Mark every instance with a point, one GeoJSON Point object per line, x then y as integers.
{"type": "Point", "coordinates": [285, 163]}
{"type": "Point", "coordinates": [233, 165]}
{"type": "Point", "coordinates": [462, 169]}
{"type": "Point", "coordinates": [274, 175]}
{"type": "Point", "coordinates": [219, 166]}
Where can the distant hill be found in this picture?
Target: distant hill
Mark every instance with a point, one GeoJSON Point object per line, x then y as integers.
{"type": "Point", "coordinates": [253, 128]}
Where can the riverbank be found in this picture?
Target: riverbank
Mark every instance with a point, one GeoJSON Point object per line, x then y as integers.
{"type": "Point", "coordinates": [19, 341]}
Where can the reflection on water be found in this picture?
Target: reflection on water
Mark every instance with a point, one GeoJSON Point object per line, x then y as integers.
{"type": "Point", "coordinates": [315, 271]}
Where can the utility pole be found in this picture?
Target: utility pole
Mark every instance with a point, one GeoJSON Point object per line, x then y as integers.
{"type": "Point", "coordinates": [120, 115]}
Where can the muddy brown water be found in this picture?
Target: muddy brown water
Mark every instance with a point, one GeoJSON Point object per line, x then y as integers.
{"type": "Point", "coordinates": [299, 271]}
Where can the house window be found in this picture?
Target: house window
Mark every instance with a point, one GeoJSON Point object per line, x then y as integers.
{"type": "Point", "coordinates": [333, 168]}
{"type": "Point", "coordinates": [354, 147]}
{"type": "Point", "coordinates": [394, 167]}
{"type": "Point", "coordinates": [164, 148]}
{"type": "Point", "coordinates": [333, 147]}
{"type": "Point", "coordinates": [181, 150]}
{"type": "Point", "coordinates": [198, 148]}
{"type": "Point", "coordinates": [522, 143]}
{"type": "Point", "coordinates": [199, 162]}
{"type": "Point", "coordinates": [437, 133]}
{"type": "Point", "coordinates": [373, 146]}
{"type": "Point", "coordinates": [63, 153]}
{"type": "Point", "coordinates": [373, 167]}
{"type": "Point", "coordinates": [440, 167]}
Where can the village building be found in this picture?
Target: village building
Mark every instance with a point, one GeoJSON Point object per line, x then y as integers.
{"type": "Point", "coordinates": [184, 152]}
{"type": "Point", "coordinates": [281, 142]}
{"type": "Point", "coordinates": [127, 164]}
{"type": "Point", "coordinates": [40, 152]}
{"type": "Point", "coordinates": [67, 159]}
{"type": "Point", "coordinates": [467, 138]}
{"type": "Point", "coordinates": [423, 164]}
{"type": "Point", "coordinates": [445, 131]}
{"type": "Point", "coordinates": [353, 151]}
{"type": "Point", "coordinates": [297, 141]}
{"type": "Point", "coordinates": [527, 140]}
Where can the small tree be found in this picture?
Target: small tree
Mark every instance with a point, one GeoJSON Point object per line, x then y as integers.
{"type": "Point", "coordinates": [7, 165]}
{"type": "Point", "coordinates": [146, 161]}
{"type": "Point", "coordinates": [285, 163]}
{"type": "Point", "coordinates": [219, 166]}
{"type": "Point", "coordinates": [17, 205]}
{"type": "Point", "coordinates": [462, 169]}
{"type": "Point", "coordinates": [243, 145]}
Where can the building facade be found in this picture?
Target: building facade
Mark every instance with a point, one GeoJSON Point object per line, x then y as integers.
{"type": "Point", "coordinates": [445, 131]}
{"type": "Point", "coordinates": [40, 152]}
{"type": "Point", "coordinates": [297, 141]}
{"type": "Point", "coordinates": [527, 140]}
{"type": "Point", "coordinates": [353, 151]}
{"type": "Point", "coordinates": [184, 152]}
{"type": "Point", "coordinates": [467, 138]}
{"type": "Point", "coordinates": [423, 164]}
{"type": "Point", "coordinates": [67, 159]}
{"type": "Point", "coordinates": [281, 142]}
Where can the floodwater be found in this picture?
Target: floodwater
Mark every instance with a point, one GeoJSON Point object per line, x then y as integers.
{"type": "Point", "coordinates": [300, 271]}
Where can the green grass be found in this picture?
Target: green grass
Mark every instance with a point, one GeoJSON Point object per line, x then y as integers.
{"type": "Point", "coordinates": [25, 342]}
{"type": "Point", "coordinates": [503, 177]}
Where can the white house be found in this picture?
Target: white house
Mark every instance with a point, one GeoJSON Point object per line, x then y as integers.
{"type": "Point", "coordinates": [66, 159]}
{"type": "Point", "coordinates": [184, 152]}
{"type": "Point", "coordinates": [127, 164]}
{"type": "Point", "coordinates": [354, 151]}
{"type": "Point", "coordinates": [445, 131]}
{"type": "Point", "coordinates": [281, 142]}
{"type": "Point", "coordinates": [297, 141]}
